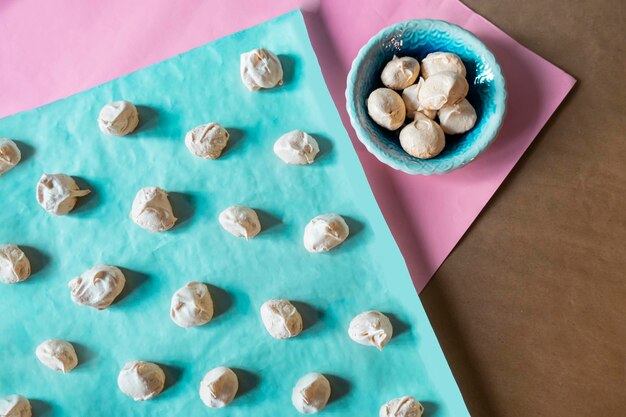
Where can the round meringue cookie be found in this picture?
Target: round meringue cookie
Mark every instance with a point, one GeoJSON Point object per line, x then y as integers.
{"type": "Point", "coordinates": [97, 287]}
{"type": "Point", "coordinates": [296, 148]}
{"type": "Point", "coordinates": [58, 193]}
{"type": "Point", "coordinates": [371, 328]}
{"type": "Point", "coordinates": [437, 62]}
{"type": "Point", "coordinates": [412, 103]}
{"type": "Point", "coordinates": [207, 141]}
{"type": "Point", "coordinates": [14, 265]}
{"type": "Point", "coordinates": [442, 89]}
{"type": "Point", "coordinates": [325, 232]}
{"type": "Point", "coordinates": [399, 73]}
{"type": "Point", "coordinates": [141, 380]}
{"type": "Point", "coordinates": [281, 319]}
{"type": "Point", "coordinates": [386, 108]}
{"type": "Point", "coordinates": [57, 355]}
{"type": "Point", "coordinates": [10, 155]}
{"type": "Point", "coordinates": [422, 138]}
{"type": "Point", "coordinates": [152, 210]}
{"type": "Point", "coordinates": [311, 393]}
{"type": "Point", "coordinates": [219, 387]}
{"type": "Point", "coordinates": [192, 305]}
{"type": "Point", "coordinates": [15, 406]}
{"type": "Point", "coordinates": [402, 407]}
{"type": "Point", "coordinates": [118, 118]}
{"type": "Point", "coordinates": [240, 221]}
{"type": "Point", "coordinates": [260, 68]}
{"type": "Point", "coordinates": [457, 118]}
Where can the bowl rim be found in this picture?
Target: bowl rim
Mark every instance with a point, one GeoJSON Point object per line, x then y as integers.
{"type": "Point", "coordinates": [421, 167]}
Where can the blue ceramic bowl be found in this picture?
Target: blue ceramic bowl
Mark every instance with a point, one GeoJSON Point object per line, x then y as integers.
{"type": "Point", "coordinates": [418, 38]}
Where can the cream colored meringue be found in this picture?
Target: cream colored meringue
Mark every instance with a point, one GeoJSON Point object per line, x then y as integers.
{"type": "Point", "coordinates": [207, 141]}
{"type": "Point", "coordinates": [152, 210]}
{"type": "Point", "coordinates": [192, 305]}
{"type": "Point", "coordinates": [58, 193]}
{"type": "Point", "coordinates": [219, 387]}
{"type": "Point", "coordinates": [240, 221]}
{"type": "Point", "coordinates": [260, 68]}
{"type": "Point", "coordinates": [371, 328]}
{"type": "Point", "coordinates": [325, 232]}
{"type": "Point", "coordinates": [281, 319]}
{"type": "Point", "coordinates": [97, 287]}
{"type": "Point", "coordinates": [386, 108]}
{"type": "Point", "coordinates": [57, 355]}
{"type": "Point", "coordinates": [10, 155]}
{"type": "Point", "coordinates": [311, 393]}
{"type": "Point", "coordinates": [412, 103]}
{"type": "Point", "coordinates": [457, 118]}
{"type": "Point", "coordinates": [296, 147]}
{"type": "Point", "coordinates": [442, 89]}
{"type": "Point", "coordinates": [442, 61]}
{"type": "Point", "coordinates": [118, 118]}
{"type": "Point", "coordinates": [399, 73]}
{"type": "Point", "coordinates": [15, 406]}
{"type": "Point", "coordinates": [422, 138]}
{"type": "Point", "coordinates": [402, 407]}
{"type": "Point", "coordinates": [141, 380]}
{"type": "Point", "coordinates": [14, 265]}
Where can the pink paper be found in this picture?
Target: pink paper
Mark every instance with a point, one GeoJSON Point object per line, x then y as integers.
{"type": "Point", "coordinates": [55, 48]}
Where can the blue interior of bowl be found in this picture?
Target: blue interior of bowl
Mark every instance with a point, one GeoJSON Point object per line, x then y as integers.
{"type": "Point", "coordinates": [418, 38]}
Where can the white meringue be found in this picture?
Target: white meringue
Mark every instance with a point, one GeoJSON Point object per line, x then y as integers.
{"type": "Point", "coordinates": [58, 193]}
{"type": "Point", "coordinates": [311, 393]}
{"type": "Point", "coordinates": [371, 328]}
{"type": "Point", "coordinates": [207, 141]}
{"type": "Point", "coordinates": [218, 387]}
{"type": "Point", "coordinates": [412, 103]}
{"type": "Point", "coordinates": [260, 68]}
{"type": "Point", "coordinates": [192, 305]}
{"type": "Point", "coordinates": [442, 61]}
{"type": "Point", "coordinates": [441, 89]}
{"type": "Point", "coordinates": [399, 73]}
{"type": "Point", "coordinates": [281, 319]}
{"type": "Point", "coordinates": [118, 118]}
{"type": "Point", "coordinates": [240, 221]}
{"type": "Point", "coordinates": [97, 287]}
{"type": "Point", "coordinates": [10, 155]}
{"type": "Point", "coordinates": [297, 148]}
{"type": "Point", "coordinates": [402, 407]}
{"type": "Point", "coordinates": [152, 210]}
{"type": "Point", "coordinates": [457, 118]}
{"type": "Point", "coordinates": [325, 232]}
{"type": "Point", "coordinates": [386, 108]}
{"type": "Point", "coordinates": [57, 355]}
{"type": "Point", "coordinates": [422, 138]}
{"type": "Point", "coordinates": [15, 406]}
{"type": "Point", "coordinates": [14, 265]}
{"type": "Point", "coordinates": [141, 380]}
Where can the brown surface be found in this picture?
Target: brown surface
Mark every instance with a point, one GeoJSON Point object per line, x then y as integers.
{"type": "Point", "coordinates": [530, 308]}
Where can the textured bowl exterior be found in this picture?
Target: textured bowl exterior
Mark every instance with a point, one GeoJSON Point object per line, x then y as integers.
{"type": "Point", "coordinates": [418, 38]}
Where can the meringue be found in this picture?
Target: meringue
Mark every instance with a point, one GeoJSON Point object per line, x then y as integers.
{"type": "Point", "coordinates": [422, 138]}
{"type": "Point", "coordinates": [386, 108]}
{"type": "Point", "coordinates": [441, 89]}
{"type": "Point", "coordinates": [296, 147]}
{"type": "Point", "coordinates": [311, 393]}
{"type": "Point", "coordinates": [412, 103]}
{"type": "Point", "coordinates": [192, 305]}
{"type": "Point", "coordinates": [141, 380]}
{"type": "Point", "coordinates": [260, 68]}
{"type": "Point", "coordinates": [442, 61]}
{"type": "Point", "coordinates": [399, 73]}
{"type": "Point", "coordinates": [240, 221]}
{"type": "Point", "coordinates": [402, 407]}
{"type": "Point", "coordinates": [325, 232]}
{"type": "Point", "coordinates": [57, 355]}
{"type": "Point", "coordinates": [218, 387]}
{"type": "Point", "coordinates": [207, 141]}
{"type": "Point", "coordinates": [14, 265]}
{"type": "Point", "coordinates": [10, 155]}
{"type": "Point", "coordinates": [152, 210]}
{"type": "Point", "coordinates": [15, 406]}
{"type": "Point", "coordinates": [457, 118]}
{"type": "Point", "coordinates": [97, 287]}
{"type": "Point", "coordinates": [281, 319]}
{"type": "Point", "coordinates": [371, 328]}
{"type": "Point", "coordinates": [58, 193]}
{"type": "Point", "coordinates": [118, 118]}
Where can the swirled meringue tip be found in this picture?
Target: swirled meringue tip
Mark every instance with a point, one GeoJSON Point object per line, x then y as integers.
{"type": "Point", "coordinates": [219, 387]}
{"type": "Point", "coordinates": [260, 68]}
{"type": "Point", "coordinates": [58, 193]}
{"type": "Point", "coordinates": [14, 264]}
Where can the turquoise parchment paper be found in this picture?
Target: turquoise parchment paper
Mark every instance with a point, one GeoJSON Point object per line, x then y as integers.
{"type": "Point", "coordinates": [366, 272]}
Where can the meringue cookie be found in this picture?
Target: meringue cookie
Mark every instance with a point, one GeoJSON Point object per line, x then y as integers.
{"type": "Point", "coordinates": [399, 73]}
{"type": "Point", "coordinates": [218, 387]}
{"type": "Point", "coordinates": [311, 393]}
{"type": "Point", "coordinates": [118, 118]}
{"type": "Point", "coordinates": [152, 210]}
{"type": "Point", "coordinates": [97, 287]}
{"type": "Point", "coordinates": [386, 108]}
{"type": "Point", "coordinates": [441, 89]}
{"type": "Point", "coordinates": [207, 141]}
{"type": "Point", "coordinates": [192, 305]}
{"type": "Point", "coordinates": [14, 265]}
{"type": "Point", "coordinates": [325, 232]}
{"type": "Point", "coordinates": [141, 380]}
{"type": "Point", "coordinates": [442, 61]}
{"type": "Point", "coordinates": [58, 193]}
{"type": "Point", "coordinates": [15, 406]}
{"type": "Point", "coordinates": [260, 68]}
{"type": "Point", "coordinates": [412, 103]}
{"type": "Point", "coordinates": [57, 355]}
{"type": "Point", "coordinates": [10, 155]}
{"type": "Point", "coordinates": [240, 221]}
{"type": "Point", "coordinates": [402, 407]}
{"type": "Point", "coordinates": [457, 118]}
{"type": "Point", "coordinates": [281, 319]}
{"type": "Point", "coordinates": [371, 328]}
{"type": "Point", "coordinates": [296, 147]}
{"type": "Point", "coordinates": [422, 138]}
